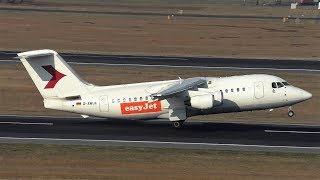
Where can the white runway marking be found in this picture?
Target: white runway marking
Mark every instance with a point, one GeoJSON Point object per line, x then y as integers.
{"type": "Point", "coordinates": [164, 58]}
{"type": "Point", "coordinates": [10, 60]}
{"type": "Point", "coordinates": [160, 143]}
{"type": "Point", "coordinates": [294, 132]}
{"type": "Point", "coordinates": [27, 123]}
{"type": "Point", "coordinates": [171, 66]}
{"type": "Point", "coordinates": [199, 67]}
{"type": "Point", "coordinates": [30, 116]}
{"type": "Point", "coordinates": [129, 57]}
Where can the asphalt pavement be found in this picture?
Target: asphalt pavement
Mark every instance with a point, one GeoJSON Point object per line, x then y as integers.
{"type": "Point", "coordinates": [160, 134]}
{"type": "Point", "coordinates": [183, 61]}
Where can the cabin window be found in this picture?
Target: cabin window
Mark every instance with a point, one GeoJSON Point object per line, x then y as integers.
{"type": "Point", "coordinates": [135, 98]}
{"type": "Point", "coordinates": [141, 98]}
{"type": "Point", "coordinates": [209, 82]}
{"type": "Point", "coordinates": [243, 89]}
{"type": "Point", "coordinates": [118, 100]}
{"type": "Point", "coordinates": [226, 90]}
{"type": "Point", "coordinates": [280, 85]}
{"type": "Point", "coordinates": [129, 99]}
{"type": "Point", "coordinates": [113, 101]}
{"type": "Point", "coordinates": [232, 90]}
{"type": "Point", "coordinates": [124, 100]}
{"type": "Point", "coordinates": [274, 85]}
{"type": "Point", "coordinates": [238, 89]}
{"type": "Point", "coordinates": [146, 98]}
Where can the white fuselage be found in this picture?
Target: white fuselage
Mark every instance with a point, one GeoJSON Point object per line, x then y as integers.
{"type": "Point", "coordinates": [133, 101]}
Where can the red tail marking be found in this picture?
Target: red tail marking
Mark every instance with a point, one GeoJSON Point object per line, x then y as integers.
{"type": "Point", "coordinates": [56, 76]}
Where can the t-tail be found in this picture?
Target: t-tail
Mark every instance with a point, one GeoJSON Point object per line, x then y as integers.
{"type": "Point", "coordinates": [53, 77]}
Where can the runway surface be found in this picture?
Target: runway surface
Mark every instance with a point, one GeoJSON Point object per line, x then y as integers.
{"type": "Point", "coordinates": [114, 13]}
{"type": "Point", "coordinates": [172, 61]}
{"type": "Point", "coordinates": [160, 133]}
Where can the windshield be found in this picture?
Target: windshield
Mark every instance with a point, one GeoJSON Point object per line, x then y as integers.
{"type": "Point", "coordinates": [286, 83]}
{"type": "Point", "coordinates": [279, 84]}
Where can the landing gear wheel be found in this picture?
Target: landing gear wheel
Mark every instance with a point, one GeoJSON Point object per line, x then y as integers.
{"type": "Point", "coordinates": [290, 113]}
{"type": "Point", "coordinates": [177, 124]}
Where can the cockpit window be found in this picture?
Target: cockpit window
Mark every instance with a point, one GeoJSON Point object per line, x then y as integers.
{"type": "Point", "coordinates": [286, 83]}
{"type": "Point", "coordinates": [280, 85]}
{"type": "Point", "coordinates": [274, 85]}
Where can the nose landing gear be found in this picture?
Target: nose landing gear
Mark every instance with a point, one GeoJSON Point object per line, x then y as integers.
{"type": "Point", "coordinates": [290, 112]}
{"type": "Point", "coordinates": [177, 124]}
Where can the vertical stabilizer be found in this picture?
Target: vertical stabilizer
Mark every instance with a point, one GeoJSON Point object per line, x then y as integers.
{"type": "Point", "coordinates": [53, 77]}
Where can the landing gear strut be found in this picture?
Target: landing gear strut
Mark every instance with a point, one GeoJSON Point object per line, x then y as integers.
{"type": "Point", "coordinates": [290, 112]}
{"type": "Point", "coordinates": [177, 124]}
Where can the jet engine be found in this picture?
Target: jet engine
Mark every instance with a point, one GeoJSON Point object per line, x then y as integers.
{"type": "Point", "coordinates": [202, 101]}
{"type": "Point", "coordinates": [205, 100]}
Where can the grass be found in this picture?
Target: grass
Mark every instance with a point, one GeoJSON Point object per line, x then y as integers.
{"type": "Point", "coordinates": [92, 162]}
{"type": "Point", "coordinates": [160, 2]}
{"type": "Point", "coordinates": [163, 2]}
{"type": "Point", "coordinates": [156, 35]}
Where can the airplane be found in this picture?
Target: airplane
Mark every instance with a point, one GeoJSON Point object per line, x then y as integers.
{"type": "Point", "coordinates": [176, 100]}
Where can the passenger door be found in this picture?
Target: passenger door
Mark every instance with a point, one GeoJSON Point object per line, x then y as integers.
{"type": "Point", "coordinates": [104, 104]}
{"type": "Point", "coordinates": [258, 90]}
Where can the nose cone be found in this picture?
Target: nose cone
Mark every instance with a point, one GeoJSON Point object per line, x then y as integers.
{"type": "Point", "coordinates": [306, 95]}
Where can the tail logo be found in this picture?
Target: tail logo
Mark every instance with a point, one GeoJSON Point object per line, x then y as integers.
{"type": "Point", "coordinates": [56, 76]}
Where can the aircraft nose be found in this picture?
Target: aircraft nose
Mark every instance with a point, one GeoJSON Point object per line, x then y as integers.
{"type": "Point", "coordinates": [306, 95]}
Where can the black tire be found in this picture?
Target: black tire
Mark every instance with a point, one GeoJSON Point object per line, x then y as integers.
{"type": "Point", "coordinates": [290, 113]}
{"type": "Point", "coordinates": [177, 124]}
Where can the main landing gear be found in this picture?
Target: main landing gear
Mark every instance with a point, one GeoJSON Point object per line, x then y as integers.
{"type": "Point", "coordinates": [290, 112]}
{"type": "Point", "coordinates": [177, 124]}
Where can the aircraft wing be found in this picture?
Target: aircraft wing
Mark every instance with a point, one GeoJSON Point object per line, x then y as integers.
{"type": "Point", "coordinates": [179, 87]}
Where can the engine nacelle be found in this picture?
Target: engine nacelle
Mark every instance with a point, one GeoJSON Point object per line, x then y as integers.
{"type": "Point", "coordinates": [218, 98]}
{"type": "Point", "coordinates": [205, 100]}
{"type": "Point", "coordinates": [202, 101]}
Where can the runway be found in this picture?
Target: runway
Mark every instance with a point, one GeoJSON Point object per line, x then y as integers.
{"type": "Point", "coordinates": [160, 134]}
{"type": "Point", "coordinates": [176, 61]}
